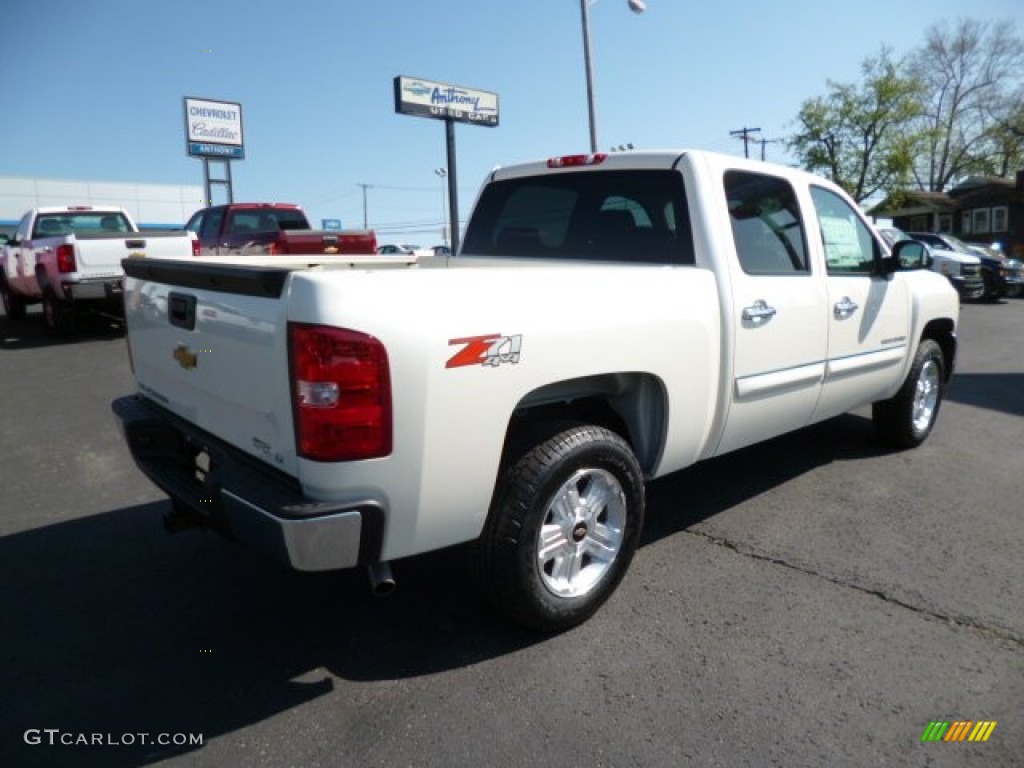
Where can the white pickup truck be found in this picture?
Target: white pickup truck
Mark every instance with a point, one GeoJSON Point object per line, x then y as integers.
{"type": "Point", "coordinates": [609, 319]}
{"type": "Point", "coordinates": [65, 256]}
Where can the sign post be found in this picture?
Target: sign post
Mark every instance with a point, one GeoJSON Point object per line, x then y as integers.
{"type": "Point", "coordinates": [451, 103]}
{"type": "Point", "coordinates": [213, 131]}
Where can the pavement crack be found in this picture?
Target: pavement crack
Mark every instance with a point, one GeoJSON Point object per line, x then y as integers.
{"type": "Point", "coordinates": [966, 622]}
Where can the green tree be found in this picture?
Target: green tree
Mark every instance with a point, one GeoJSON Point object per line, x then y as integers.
{"type": "Point", "coordinates": [971, 121]}
{"type": "Point", "coordinates": [855, 134]}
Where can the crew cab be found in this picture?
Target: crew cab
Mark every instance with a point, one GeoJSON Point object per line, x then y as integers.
{"type": "Point", "coordinates": [609, 319]}
{"type": "Point", "coordinates": [271, 228]}
{"type": "Point", "coordinates": [67, 257]}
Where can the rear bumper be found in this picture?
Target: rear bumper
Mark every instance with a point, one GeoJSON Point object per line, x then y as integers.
{"type": "Point", "coordinates": [243, 499]}
{"type": "Point", "coordinates": [94, 290]}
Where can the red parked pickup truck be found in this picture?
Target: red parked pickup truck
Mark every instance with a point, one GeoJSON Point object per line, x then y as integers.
{"type": "Point", "coordinates": [271, 228]}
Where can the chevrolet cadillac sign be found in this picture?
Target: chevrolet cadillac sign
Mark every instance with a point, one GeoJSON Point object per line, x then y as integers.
{"type": "Point", "coordinates": [425, 98]}
{"type": "Point", "coordinates": [213, 129]}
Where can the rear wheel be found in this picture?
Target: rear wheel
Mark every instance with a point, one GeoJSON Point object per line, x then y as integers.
{"type": "Point", "coordinates": [905, 420]}
{"type": "Point", "coordinates": [14, 305]}
{"type": "Point", "coordinates": [57, 314]}
{"type": "Point", "coordinates": [563, 526]}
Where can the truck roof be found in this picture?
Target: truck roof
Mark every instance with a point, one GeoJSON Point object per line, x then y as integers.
{"type": "Point", "coordinates": [654, 159]}
{"type": "Point", "coordinates": [79, 209]}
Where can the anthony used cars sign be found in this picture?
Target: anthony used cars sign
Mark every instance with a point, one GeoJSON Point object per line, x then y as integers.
{"type": "Point", "coordinates": [425, 98]}
{"type": "Point", "coordinates": [214, 129]}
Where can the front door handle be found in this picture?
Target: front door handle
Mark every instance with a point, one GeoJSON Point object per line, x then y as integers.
{"type": "Point", "coordinates": [845, 307]}
{"type": "Point", "coordinates": [759, 312]}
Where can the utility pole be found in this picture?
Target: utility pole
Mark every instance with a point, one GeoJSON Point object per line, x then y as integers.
{"type": "Point", "coordinates": [365, 187]}
{"type": "Point", "coordinates": [745, 133]}
{"type": "Point", "coordinates": [762, 142]}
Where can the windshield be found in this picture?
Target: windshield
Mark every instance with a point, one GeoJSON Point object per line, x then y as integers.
{"type": "Point", "coordinates": [957, 245]}
{"type": "Point", "coordinates": [629, 216]}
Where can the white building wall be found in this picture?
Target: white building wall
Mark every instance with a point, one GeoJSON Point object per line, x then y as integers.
{"type": "Point", "coordinates": [149, 204]}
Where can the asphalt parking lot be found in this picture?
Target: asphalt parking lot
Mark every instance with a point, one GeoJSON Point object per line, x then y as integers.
{"type": "Point", "coordinates": [811, 601]}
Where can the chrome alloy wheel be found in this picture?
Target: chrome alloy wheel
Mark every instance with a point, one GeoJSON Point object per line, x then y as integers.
{"type": "Point", "coordinates": [582, 532]}
{"type": "Point", "coordinates": [926, 396]}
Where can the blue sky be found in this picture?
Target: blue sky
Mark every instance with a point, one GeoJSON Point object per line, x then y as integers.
{"type": "Point", "coordinates": [93, 90]}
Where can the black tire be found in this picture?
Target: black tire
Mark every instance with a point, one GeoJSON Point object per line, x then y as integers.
{"type": "Point", "coordinates": [905, 420]}
{"type": "Point", "coordinates": [1013, 291]}
{"type": "Point", "coordinates": [57, 314]}
{"type": "Point", "coordinates": [993, 291]}
{"type": "Point", "coordinates": [14, 306]}
{"type": "Point", "coordinates": [590, 548]}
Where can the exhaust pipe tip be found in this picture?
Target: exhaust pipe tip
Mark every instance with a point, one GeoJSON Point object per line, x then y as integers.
{"type": "Point", "coordinates": [382, 582]}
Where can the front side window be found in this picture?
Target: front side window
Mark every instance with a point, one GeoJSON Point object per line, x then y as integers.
{"type": "Point", "coordinates": [849, 246]}
{"type": "Point", "coordinates": [211, 224]}
{"type": "Point", "coordinates": [626, 216]}
{"type": "Point", "coordinates": [766, 225]}
{"type": "Point", "coordinates": [196, 222]}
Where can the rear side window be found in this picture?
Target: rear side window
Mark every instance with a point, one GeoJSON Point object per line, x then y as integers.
{"type": "Point", "coordinates": [628, 216]}
{"type": "Point", "coordinates": [766, 225]}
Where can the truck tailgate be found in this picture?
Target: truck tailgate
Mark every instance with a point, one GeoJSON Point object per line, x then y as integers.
{"type": "Point", "coordinates": [209, 343]}
{"type": "Point", "coordinates": [101, 254]}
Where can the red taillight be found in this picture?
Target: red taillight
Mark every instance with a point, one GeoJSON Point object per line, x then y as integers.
{"type": "Point", "coordinates": [196, 246]}
{"type": "Point", "coordinates": [341, 393]}
{"type": "Point", "coordinates": [571, 161]}
{"type": "Point", "coordinates": [272, 249]}
{"type": "Point", "coordinates": [66, 258]}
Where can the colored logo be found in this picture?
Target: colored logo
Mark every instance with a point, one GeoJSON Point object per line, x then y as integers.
{"type": "Point", "coordinates": [490, 350]}
{"type": "Point", "coordinates": [958, 730]}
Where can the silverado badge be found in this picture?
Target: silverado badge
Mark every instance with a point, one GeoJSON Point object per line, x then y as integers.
{"type": "Point", "coordinates": [186, 358]}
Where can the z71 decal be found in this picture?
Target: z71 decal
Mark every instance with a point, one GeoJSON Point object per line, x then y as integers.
{"type": "Point", "coordinates": [492, 349]}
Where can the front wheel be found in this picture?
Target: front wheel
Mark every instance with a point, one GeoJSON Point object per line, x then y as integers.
{"type": "Point", "coordinates": [14, 305]}
{"type": "Point", "coordinates": [905, 420]}
{"type": "Point", "coordinates": [562, 527]}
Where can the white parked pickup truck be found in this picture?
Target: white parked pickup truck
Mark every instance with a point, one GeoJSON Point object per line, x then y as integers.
{"type": "Point", "coordinates": [67, 256]}
{"type": "Point", "coordinates": [609, 319]}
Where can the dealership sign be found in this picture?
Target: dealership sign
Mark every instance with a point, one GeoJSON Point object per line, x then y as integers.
{"type": "Point", "coordinates": [425, 98]}
{"type": "Point", "coordinates": [214, 129]}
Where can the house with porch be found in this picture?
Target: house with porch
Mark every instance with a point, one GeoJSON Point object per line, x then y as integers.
{"type": "Point", "coordinates": [980, 209]}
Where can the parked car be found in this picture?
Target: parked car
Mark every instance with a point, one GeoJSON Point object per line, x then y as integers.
{"type": "Point", "coordinates": [441, 250]}
{"type": "Point", "coordinates": [404, 249]}
{"type": "Point", "coordinates": [256, 229]}
{"type": "Point", "coordinates": [994, 273]}
{"type": "Point", "coordinates": [70, 257]}
{"type": "Point", "coordinates": [672, 307]}
{"type": "Point", "coordinates": [962, 270]}
{"type": "Point", "coordinates": [1011, 271]}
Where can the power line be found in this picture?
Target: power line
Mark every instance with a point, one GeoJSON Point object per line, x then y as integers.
{"type": "Point", "coordinates": [745, 134]}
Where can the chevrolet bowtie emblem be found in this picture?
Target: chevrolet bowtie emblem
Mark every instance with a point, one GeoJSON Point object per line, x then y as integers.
{"type": "Point", "coordinates": [186, 358]}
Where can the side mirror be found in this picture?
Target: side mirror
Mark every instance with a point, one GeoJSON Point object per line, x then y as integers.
{"type": "Point", "coordinates": [906, 255]}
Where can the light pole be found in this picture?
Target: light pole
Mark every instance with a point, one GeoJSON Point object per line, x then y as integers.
{"type": "Point", "coordinates": [637, 6]}
{"type": "Point", "coordinates": [442, 174]}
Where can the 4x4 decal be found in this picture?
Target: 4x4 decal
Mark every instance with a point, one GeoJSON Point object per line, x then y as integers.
{"type": "Point", "coordinates": [492, 349]}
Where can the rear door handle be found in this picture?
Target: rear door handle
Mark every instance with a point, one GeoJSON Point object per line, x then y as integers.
{"type": "Point", "coordinates": [758, 312]}
{"type": "Point", "coordinates": [845, 307]}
